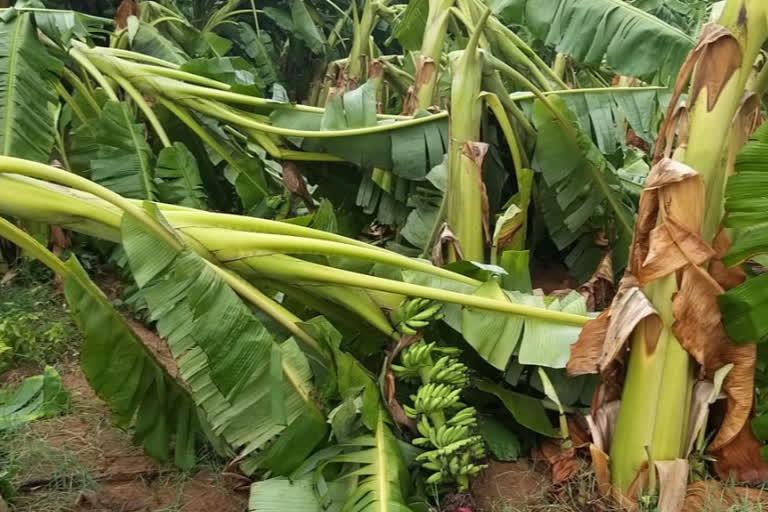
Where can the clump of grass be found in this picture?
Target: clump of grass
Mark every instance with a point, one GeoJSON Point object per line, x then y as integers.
{"type": "Point", "coordinates": [35, 324]}
{"type": "Point", "coordinates": [39, 476]}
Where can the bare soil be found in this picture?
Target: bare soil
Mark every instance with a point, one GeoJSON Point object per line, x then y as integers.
{"type": "Point", "coordinates": [82, 463]}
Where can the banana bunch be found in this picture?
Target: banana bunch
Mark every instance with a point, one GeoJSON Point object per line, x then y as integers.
{"type": "Point", "coordinates": [432, 398]}
{"type": "Point", "coordinates": [412, 315]}
{"type": "Point", "coordinates": [418, 358]}
{"type": "Point", "coordinates": [445, 424]}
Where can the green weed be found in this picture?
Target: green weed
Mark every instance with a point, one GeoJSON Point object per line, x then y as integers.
{"type": "Point", "coordinates": [35, 325]}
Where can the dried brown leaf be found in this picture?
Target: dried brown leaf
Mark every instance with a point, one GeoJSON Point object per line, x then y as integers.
{"type": "Point", "coordinates": [426, 68]}
{"type": "Point", "coordinates": [727, 277]}
{"type": "Point", "coordinates": [602, 340]}
{"type": "Point", "coordinates": [125, 10]}
{"type": "Point", "coordinates": [720, 57]}
{"type": "Point", "coordinates": [673, 479]}
{"type": "Point", "coordinates": [710, 77]}
{"type": "Point", "coordinates": [670, 183]}
{"type": "Point", "coordinates": [564, 462]}
{"type": "Point", "coordinates": [699, 329]}
{"type": "Point", "coordinates": [740, 459]}
{"type": "Point", "coordinates": [586, 352]}
{"type": "Point", "coordinates": [475, 152]}
{"type": "Point", "coordinates": [389, 384]}
{"type": "Point", "coordinates": [671, 247]}
{"type": "Point", "coordinates": [702, 495]}
{"type": "Point", "coordinates": [295, 183]}
{"type": "Point", "coordinates": [601, 466]}
{"type": "Point", "coordinates": [602, 424]}
{"type": "Point", "coordinates": [445, 237]}
{"type": "Point", "coordinates": [600, 288]}
{"type": "Point", "coordinates": [578, 431]}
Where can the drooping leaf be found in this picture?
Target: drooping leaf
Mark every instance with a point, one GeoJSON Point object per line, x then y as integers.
{"type": "Point", "coordinates": [527, 411]}
{"type": "Point", "coordinates": [578, 182]}
{"type": "Point", "coordinates": [63, 26]}
{"type": "Point", "coordinates": [223, 353]}
{"type": "Point", "coordinates": [150, 41]}
{"type": "Point", "coordinates": [181, 183]}
{"type": "Point", "coordinates": [497, 336]}
{"type": "Point", "coordinates": [37, 397]}
{"type": "Point", "coordinates": [117, 152]}
{"type": "Point", "coordinates": [258, 49]}
{"type": "Point", "coordinates": [410, 30]}
{"type": "Point", "coordinates": [632, 42]}
{"type": "Point", "coordinates": [409, 151]}
{"type": "Point", "coordinates": [305, 27]}
{"type": "Point", "coordinates": [126, 375]}
{"type": "Point", "coordinates": [234, 71]}
{"type": "Point", "coordinates": [27, 96]}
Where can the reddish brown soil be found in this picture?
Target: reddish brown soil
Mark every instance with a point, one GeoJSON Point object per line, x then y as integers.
{"type": "Point", "coordinates": [510, 485]}
{"type": "Point", "coordinates": [123, 478]}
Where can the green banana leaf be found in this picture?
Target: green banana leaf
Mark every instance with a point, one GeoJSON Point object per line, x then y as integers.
{"type": "Point", "coordinates": [117, 364]}
{"type": "Point", "coordinates": [27, 94]}
{"type": "Point", "coordinates": [410, 152]}
{"type": "Point", "coordinates": [38, 397]}
{"type": "Point", "coordinates": [633, 42]}
{"type": "Point", "coordinates": [147, 39]}
{"type": "Point", "coordinates": [743, 307]}
{"type": "Point", "coordinates": [497, 337]}
{"type": "Point", "coordinates": [181, 184]}
{"type": "Point", "coordinates": [123, 372]}
{"type": "Point", "coordinates": [226, 356]}
{"type": "Point", "coordinates": [578, 183]}
{"type": "Point", "coordinates": [115, 149]}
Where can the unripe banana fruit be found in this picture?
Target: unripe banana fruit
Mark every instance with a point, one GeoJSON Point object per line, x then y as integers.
{"type": "Point", "coordinates": [445, 424]}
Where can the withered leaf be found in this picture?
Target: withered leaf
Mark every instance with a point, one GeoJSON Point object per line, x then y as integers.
{"type": "Point", "coordinates": [673, 480]}
{"type": "Point", "coordinates": [740, 459]}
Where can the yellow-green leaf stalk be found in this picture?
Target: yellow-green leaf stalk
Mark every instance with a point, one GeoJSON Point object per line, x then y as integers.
{"type": "Point", "coordinates": [656, 396]}
{"type": "Point", "coordinates": [269, 263]}
{"type": "Point", "coordinates": [422, 94]}
{"type": "Point", "coordinates": [465, 192]}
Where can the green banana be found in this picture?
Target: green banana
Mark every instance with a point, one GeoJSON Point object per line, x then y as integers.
{"type": "Point", "coordinates": [412, 315]}
{"type": "Point", "coordinates": [444, 423]}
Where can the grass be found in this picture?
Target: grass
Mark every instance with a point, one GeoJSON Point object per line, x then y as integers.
{"type": "Point", "coordinates": [580, 494]}
{"type": "Point", "coordinates": [35, 324]}
{"type": "Point", "coordinates": [57, 475]}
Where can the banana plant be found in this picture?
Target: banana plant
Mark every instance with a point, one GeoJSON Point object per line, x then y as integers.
{"type": "Point", "coordinates": [666, 309]}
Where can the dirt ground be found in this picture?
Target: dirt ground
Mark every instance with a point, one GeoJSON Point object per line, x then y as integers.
{"type": "Point", "coordinates": [80, 462]}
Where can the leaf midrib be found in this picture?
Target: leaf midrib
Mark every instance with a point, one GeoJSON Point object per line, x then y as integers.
{"type": "Point", "coordinates": [145, 177]}
{"type": "Point", "coordinates": [381, 463]}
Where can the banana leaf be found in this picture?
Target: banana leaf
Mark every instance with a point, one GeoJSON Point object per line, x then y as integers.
{"type": "Point", "coordinates": [226, 355]}
{"type": "Point", "coordinates": [27, 94]}
{"type": "Point", "coordinates": [631, 41]}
